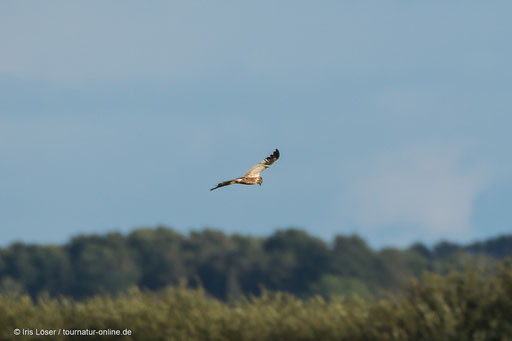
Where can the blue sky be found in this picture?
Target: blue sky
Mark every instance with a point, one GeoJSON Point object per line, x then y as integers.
{"type": "Point", "coordinates": [393, 118]}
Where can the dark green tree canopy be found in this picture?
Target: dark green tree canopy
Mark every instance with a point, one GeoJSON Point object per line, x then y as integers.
{"type": "Point", "coordinates": [228, 265]}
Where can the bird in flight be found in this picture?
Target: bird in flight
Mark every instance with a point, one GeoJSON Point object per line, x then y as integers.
{"type": "Point", "coordinates": [252, 177]}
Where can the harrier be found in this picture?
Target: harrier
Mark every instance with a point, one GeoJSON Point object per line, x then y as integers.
{"type": "Point", "coordinates": [252, 177]}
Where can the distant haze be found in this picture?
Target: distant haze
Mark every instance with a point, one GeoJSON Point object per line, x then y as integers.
{"type": "Point", "coordinates": [392, 118]}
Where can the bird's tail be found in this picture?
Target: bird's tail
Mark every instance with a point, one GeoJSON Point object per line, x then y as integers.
{"type": "Point", "coordinates": [225, 183]}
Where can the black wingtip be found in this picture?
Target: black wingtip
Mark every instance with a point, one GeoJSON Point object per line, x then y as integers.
{"type": "Point", "coordinates": [276, 154]}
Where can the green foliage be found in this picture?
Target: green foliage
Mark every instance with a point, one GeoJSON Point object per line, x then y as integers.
{"type": "Point", "coordinates": [159, 256]}
{"type": "Point", "coordinates": [473, 304]}
{"type": "Point", "coordinates": [103, 265]}
{"type": "Point", "coordinates": [228, 266]}
{"type": "Point", "coordinates": [352, 257]}
{"type": "Point", "coordinates": [294, 259]}
{"type": "Point", "coordinates": [332, 285]}
{"type": "Point", "coordinates": [499, 248]}
{"type": "Point", "coordinates": [34, 269]}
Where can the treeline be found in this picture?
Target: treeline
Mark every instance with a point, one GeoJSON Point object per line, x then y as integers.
{"type": "Point", "coordinates": [228, 266]}
{"type": "Point", "coordinates": [473, 304]}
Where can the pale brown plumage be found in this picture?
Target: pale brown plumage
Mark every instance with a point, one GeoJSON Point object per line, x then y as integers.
{"type": "Point", "coordinates": [252, 177]}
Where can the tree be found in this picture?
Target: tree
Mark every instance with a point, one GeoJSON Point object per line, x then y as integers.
{"type": "Point", "coordinates": [294, 260]}
{"type": "Point", "coordinates": [158, 254]}
{"type": "Point", "coordinates": [101, 265]}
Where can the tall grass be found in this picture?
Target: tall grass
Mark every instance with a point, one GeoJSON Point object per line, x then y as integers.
{"type": "Point", "coordinates": [475, 304]}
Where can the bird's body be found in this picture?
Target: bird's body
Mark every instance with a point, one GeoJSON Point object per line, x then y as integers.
{"type": "Point", "coordinates": [252, 177]}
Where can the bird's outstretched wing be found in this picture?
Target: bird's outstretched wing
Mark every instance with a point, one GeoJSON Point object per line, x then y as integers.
{"type": "Point", "coordinates": [264, 164]}
{"type": "Point", "coordinates": [225, 183]}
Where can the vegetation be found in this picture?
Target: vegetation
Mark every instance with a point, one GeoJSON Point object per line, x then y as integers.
{"type": "Point", "coordinates": [473, 304]}
{"type": "Point", "coordinates": [229, 267]}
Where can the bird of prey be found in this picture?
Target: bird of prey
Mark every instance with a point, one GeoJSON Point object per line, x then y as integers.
{"type": "Point", "coordinates": [252, 177]}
